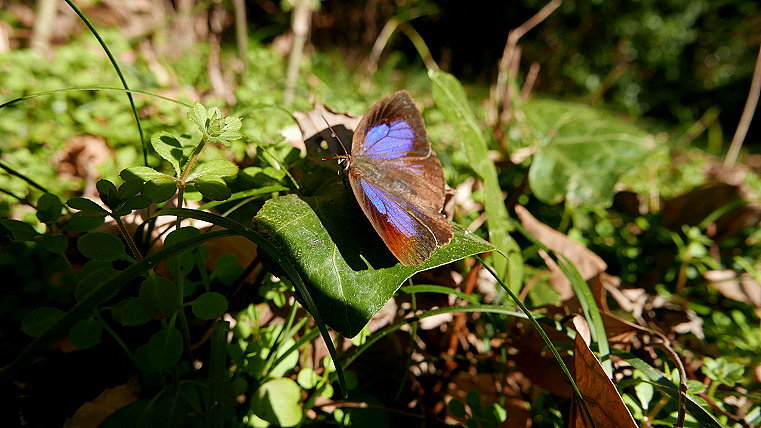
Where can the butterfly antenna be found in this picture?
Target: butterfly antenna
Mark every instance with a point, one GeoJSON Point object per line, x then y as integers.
{"type": "Point", "coordinates": [332, 131]}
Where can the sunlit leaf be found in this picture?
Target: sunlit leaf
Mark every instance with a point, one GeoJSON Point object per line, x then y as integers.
{"type": "Point", "coordinates": [349, 271]}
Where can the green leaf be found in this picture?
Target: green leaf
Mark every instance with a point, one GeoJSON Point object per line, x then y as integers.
{"type": "Point", "coordinates": [450, 98]}
{"type": "Point", "coordinates": [87, 207]}
{"type": "Point", "coordinates": [21, 231]}
{"type": "Point", "coordinates": [308, 378]}
{"type": "Point", "coordinates": [277, 402]}
{"type": "Point", "coordinates": [137, 202]}
{"type": "Point", "coordinates": [349, 271]}
{"type": "Point", "coordinates": [143, 173]}
{"type": "Point", "coordinates": [214, 168]}
{"type": "Point", "coordinates": [199, 116]}
{"type": "Point", "coordinates": [102, 246]}
{"type": "Point", "coordinates": [55, 244]}
{"type": "Point", "coordinates": [80, 222]}
{"type": "Point", "coordinates": [496, 413]}
{"type": "Point", "coordinates": [38, 321]}
{"type": "Point", "coordinates": [108, 193]}
{"type": "Point", "coordinates": [161, 352]}
{"type": "Point", "coordinates": [130, 188]}
{"type": "Point", "coordinates": [583, 152]}
{"type": "Point", "coordinates": [86, 333]}
{"type": "Point", "coordinates": [227, 269]}
{"type": "Point", "coordinates": [457, 408]}
{"type": "Point", "coordinates": [129, 312]}
{"type": "Point", "coordinates": [159, 297]}
{"type": "Point", "coordinates": [160, 189]}
{"type": "Point", "coordinates": [209, 306]}
{"type": "Point", "coordinates": [213, 188]}
{"type": "Point", "coordinates": [49, 208]}
{"type": "Point", "coordinates": [93, 280]}
{"type": "Point", "coordinates": [169, 148]}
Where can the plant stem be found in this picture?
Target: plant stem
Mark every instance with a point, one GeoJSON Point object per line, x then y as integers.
{"type": "Point", "coordinates": [127, 237]}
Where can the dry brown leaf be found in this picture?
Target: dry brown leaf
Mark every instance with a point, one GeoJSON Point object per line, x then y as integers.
{"type": "Point", "coordinates": [744, 288]}
{"type": "Point", "coordinates": [605, 405]}
{"type": "Point", "coordinates": [80, 157]}
{"type": "Point", "coordinates": [588, 263]}
{"type": "Point", "coordinates": [693, 207]}
{"type": "Point", "coordinates": [314, 130]}
{"type": "Point", "coordinates": [92, 413]}
{"type": "Point", "coordinates": [491, 390]}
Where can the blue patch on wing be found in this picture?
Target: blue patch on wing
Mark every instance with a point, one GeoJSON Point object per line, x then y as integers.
{"type": "Point", "coordinates": [390, 207]}
{"type": "Point", "coordinates": [389, 141]}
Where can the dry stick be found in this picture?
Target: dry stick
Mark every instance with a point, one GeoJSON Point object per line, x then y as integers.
{"type": "Point", "coordinates": [509, 53]}
{"type": "Point", "coordinates": [43, 25]}
{"type": "Point", "coordinates": [459, 322]}
{"type": "Point", "coordinates": [528, 84]}
{"type": "Point", "coordinates": [241, 32]}
{"type": "Point", "coordinates": [747, 116]}
{"type": "Point", "coordinates": [300, 23]}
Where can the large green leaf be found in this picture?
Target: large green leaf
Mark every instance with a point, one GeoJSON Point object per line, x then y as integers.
{"type": "Point", "coordinates": [583, 152]}
{"type": "Point", "coordinates": [350, 272]}
{"type": "Point", "coordinates": [450, 98]}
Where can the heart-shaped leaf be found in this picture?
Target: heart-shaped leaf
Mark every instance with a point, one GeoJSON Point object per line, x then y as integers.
{"type": "Point", "coordinates": [583, 152]}
{"type": "Point", "coordinates": [349, 271]}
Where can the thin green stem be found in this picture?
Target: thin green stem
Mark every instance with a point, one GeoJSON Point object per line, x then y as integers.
{"type": "Point", "coordinates": [118, 71]}
{"type": "Point", "coordinates": [546, 339]}
{"type": "Point", "coordinates": [116, 338]}
{"type": "Point", "coordinates": [127, 237]}
{"type": "Point", "coordinates": [15, 173]}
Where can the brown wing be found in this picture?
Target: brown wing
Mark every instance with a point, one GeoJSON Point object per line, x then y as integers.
{"type": "Point", "coordinates": [410, 232]}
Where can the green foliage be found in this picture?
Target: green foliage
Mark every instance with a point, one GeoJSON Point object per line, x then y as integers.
{"type": "Point", "coordinates": [157, 304]}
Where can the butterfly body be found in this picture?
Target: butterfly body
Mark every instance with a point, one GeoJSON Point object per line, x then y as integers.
{"type": "Point", "coordinates": [397, 179]}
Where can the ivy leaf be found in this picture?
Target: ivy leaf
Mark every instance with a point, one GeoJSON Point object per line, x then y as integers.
{"type": "Point", "coordinates": [213, 188]}
{"type": "Point", "coordinates": [343, 261]}
{"type": "Point", "coordinates": [583, 152]}
{"type": "Point", "coordinates": [169, 148]}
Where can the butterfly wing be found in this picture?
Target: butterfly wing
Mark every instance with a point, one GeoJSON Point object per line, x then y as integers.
{"type": "Point", "coordinates": [398, 179]}
{"type": "Point", "coordinates": [411, 233]}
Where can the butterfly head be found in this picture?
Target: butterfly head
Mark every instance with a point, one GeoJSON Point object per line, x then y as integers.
{"type": "Point", "coordinates": [344, 160]}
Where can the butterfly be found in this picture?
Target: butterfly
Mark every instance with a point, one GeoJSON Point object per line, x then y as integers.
{"type": "Point", "coordinates": [397, 179]}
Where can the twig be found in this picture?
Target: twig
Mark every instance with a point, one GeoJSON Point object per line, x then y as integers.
{"type": "Point", "coordinates": [747, 115]}
{"type": "Point", "coordinates": [241, 32]}
{"type": "Point", "coordinates": [508, 55]}
{"type": "Point", "coordinates": [300, 23]}
{"type": "Point", "coordinates": [459, 322]}
{"type": "Point", "coordinates": [528, 84]}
